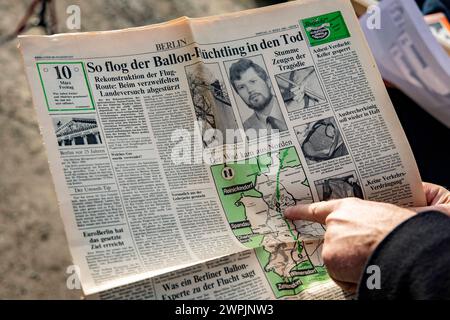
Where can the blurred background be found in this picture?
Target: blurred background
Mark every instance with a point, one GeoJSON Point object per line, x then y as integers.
{"type": "Point", "coordinates": [34, 253]}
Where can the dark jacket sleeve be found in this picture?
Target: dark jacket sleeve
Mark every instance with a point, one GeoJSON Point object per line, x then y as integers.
{"type": "Point", "coordinates": [413, 260]}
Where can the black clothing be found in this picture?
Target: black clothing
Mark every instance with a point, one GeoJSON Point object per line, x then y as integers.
{"type": "Point", "coordinates": [414, 260]}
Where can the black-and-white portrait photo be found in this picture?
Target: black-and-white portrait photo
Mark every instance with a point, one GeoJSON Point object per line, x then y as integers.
{"type": "Point", "coordinates": [76, 130]}
{"type": "Point", "coordinates": [300, 89]}
{"type": "Point", "coordinates": [339, 186]}
{"type": "Point", "coordinates": [211, 101]}
{"type": "Point", "coordinates": [254, 95]}
{"type": "Point", "coordinates": [321, 140]}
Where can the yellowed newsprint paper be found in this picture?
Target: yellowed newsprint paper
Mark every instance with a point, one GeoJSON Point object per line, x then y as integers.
{"type": "Point", "coordinates": [175, 148]}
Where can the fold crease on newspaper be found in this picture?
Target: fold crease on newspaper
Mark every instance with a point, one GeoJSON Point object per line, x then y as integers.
{"type": "Point", "coordinates": [175, 148]}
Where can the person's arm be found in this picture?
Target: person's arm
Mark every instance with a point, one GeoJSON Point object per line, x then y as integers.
{"type": "Point", "coordinates": [355, 228]}
{"type": "Point", "coordinates": [413, 260]}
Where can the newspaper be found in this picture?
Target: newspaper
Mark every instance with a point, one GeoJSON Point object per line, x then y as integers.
{"type": "Point", "coordinates": [175, 148]}
{"type": "Point", "coordinates": [409, 56]}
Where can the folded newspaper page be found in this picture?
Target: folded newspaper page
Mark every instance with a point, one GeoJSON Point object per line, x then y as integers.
{"type": "Point", "coordinates": [409, 56]}
{"type": "Point", "coordinates": [175, 148]}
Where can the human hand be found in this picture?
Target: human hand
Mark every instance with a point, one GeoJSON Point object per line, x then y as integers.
{"type": "Point", "coordinates": [438, 198]}
{"type": "Point", "coordinates": [354, 229]}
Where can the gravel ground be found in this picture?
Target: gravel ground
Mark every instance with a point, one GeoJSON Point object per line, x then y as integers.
{"type": "Point", "coordinates": [34, 253]}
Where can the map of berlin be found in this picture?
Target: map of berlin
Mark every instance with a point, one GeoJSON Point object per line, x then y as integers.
{"type": "Point", "coordinates": [254, 194]}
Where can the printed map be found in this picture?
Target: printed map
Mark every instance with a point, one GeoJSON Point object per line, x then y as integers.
{"type": "Point", "coordinates": [254, 194]}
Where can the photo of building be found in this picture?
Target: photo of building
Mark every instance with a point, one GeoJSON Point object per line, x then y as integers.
{"type": "Point", "coordinates": [73, 131]}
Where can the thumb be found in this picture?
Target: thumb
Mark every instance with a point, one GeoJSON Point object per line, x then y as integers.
{"type": "Point", "coordinates": [435, 194]}
{"type": "Point", "coordinates": [316, 212]}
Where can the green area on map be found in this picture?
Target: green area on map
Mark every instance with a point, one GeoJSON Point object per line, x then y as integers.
{"type": "Point", "coordinates": [253, 194]}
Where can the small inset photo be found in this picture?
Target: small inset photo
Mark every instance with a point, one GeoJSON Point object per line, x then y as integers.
{"type": "Point", "coordinates": [254, 95]}
{"type": "Point", "coordinates": [300, 89]}
{"type": "Point", "coordinates": [339, 186]}
{"type": "Point", "coordinates": [211, 101]}
{"type": "Point", "coordinates": [320, 140]}
{"type": "Point", "coordinates": [76, 130]}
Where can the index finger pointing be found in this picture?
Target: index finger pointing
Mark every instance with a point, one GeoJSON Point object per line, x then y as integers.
{"type": "Point", "coordinates": [316, 212]}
